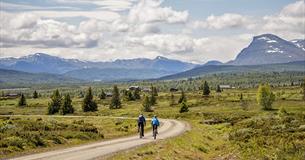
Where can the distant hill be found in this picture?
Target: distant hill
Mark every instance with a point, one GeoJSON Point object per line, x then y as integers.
{"type": "Point", "coordinates": [18, 77]}
{"type": "Point", "coordinates": [115, 74]}
{"type": "Point", "coordinates": [269, 49]}
{"type": "Point", "coordinates": [213, 69]}
{"type": "Point", "coordinates": [213, 63]}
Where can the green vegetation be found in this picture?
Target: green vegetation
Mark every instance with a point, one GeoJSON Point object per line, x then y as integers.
{"type": "Point", "coordinates": [265, 97]}
{"type": "Point", "coordinates": [55, 104]}
{"type": "Point", "coordinates": [66, 107]}
{"type": "Point", "coordinates": [115, 101]}
{"type": "Point", "coordinates": [147, 104]}
{"type": "Point", "coordinates": [22, 101]}
{"type": "Point", "coordinates": [25, 134]}
{"type": "Point", "coordinates": [182, 97]}
{"type": "Point", "coordinates": [206, 89]}
{"type": "Point", "coordinates": [230, 124]}
{"type": "Point", "coordinates": [184, 107]}
{"type": "Point", "coordinates": [89, 104]}
{"type": "Point", "coordinates": [35, 94]}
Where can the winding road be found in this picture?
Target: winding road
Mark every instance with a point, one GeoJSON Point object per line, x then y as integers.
{"type": "Point", "coordinates": [169, 128]}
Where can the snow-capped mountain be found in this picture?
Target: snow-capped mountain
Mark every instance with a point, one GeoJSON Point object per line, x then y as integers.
{"type": "Point", "coordinates": [300, 43]}
{"type": "Point", "coordinates": [268, 49]}
{"type": "Point", "coordinates": [44, 63]}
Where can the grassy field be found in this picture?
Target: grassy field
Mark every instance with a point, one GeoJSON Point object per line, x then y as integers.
{"type": "Point", "coordinates": [223, 127]}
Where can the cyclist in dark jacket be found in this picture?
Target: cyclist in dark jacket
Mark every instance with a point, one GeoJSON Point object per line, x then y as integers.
{"type": "Point", "coordinates": [141, 124]}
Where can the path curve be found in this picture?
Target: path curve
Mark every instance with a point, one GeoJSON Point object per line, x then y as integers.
{"type": "Point", "coordinates": [169, 128]}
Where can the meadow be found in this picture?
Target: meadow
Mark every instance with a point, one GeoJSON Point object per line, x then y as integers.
{"type": "Point", "coordinates": [222, 125]}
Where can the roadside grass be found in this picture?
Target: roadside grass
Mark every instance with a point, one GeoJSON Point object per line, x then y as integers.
{"type": "Point", "coordinates": [24, 134]}
{"type": "Point", "coordinates": [223, 127]}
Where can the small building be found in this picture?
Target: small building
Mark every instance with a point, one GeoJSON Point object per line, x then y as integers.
{"type": "Point", "coordinates": [225, 86]}
{"type": "Point", "coordinates": [12, 95]}
{"type": "Point", "coordinates": [108, 94]}
{"type": "Point", "coordinates": [146, 90]}
{"type": "Point", "coordinates": [173, 90]}
{"type": "Point", "coordinates": [133, 88]}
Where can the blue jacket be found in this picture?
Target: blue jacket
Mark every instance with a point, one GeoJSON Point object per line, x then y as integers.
{"type": "Point", "coordinates": [155, 121]}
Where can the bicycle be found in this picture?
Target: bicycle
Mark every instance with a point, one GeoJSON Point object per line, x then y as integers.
{"type": "Point", "coordinates": [155, 131]}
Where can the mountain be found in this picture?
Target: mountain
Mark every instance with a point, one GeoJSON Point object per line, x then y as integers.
{"type": "Point", "coordinates": [19, 77]}
{"type": "Point", "coordinates": [300, 43]}
{"type": "Point", "coordinates": [269, 49]}
{"type": "Point", "coordinates": [213, 63]}
{"type": "Point", "coordinates": [214, 69]}
{"type": "Point", "coordinates": [41, 63]}
{"type": "Point", "coordinates": [44, 63]}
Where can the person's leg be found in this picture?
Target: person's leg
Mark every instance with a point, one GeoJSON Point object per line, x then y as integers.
{"type": "Point", "coordinates": [142, 129]}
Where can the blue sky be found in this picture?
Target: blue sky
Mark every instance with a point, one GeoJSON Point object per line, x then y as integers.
{"type": "Point", "coordinates": [103, 30]}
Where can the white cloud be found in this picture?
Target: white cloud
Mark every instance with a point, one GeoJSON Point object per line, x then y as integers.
{"type": "Point", "coordinates": [225, 21]}
{"type": "Point", "coordinates": [151, 11]}
{"type": "Point", "coordinates": [289, 23]}
{"type": "Point", "coordinates": [165, 43]}
{"type": "Point", "coordinates": [42, 33]}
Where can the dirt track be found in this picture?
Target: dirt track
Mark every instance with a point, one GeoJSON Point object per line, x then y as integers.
{"type": "Point", "coordinates": [170, 128]}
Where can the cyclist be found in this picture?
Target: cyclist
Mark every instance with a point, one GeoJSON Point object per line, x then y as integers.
{"type": "Point", "coordinates": [141, 124]}
{"type": "Point", "coordinates": [155, 123]}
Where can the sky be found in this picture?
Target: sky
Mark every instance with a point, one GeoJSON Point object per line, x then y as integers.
{"type": "Point", "coordinates": [105, 30]}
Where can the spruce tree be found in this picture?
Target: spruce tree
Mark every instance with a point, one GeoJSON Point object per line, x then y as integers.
{"type": "Point", "coordinates": [218, 89]}
{"type": "Point", "coordinates": [89, 105]}
{"type": "Point", "coordinates": [102, 95]}
{"type": "Point", "coordinates": [172, 100]}
{"type": "Point", "coordinates": [55, 104]}
{"type": "Point", "coordinates": [184, 107]}
{"type": "Point", "coordinates": [155, 91]}
{"type": "Point", "coordinates": [206, 89]}
{"type": "Point", "coordinates": [35, 94]}
{"type": "Point", "coordinates": [153, 99]}
{"type": "Point", "coordinates": [66, 107]}
{"type": "Point", "coordinates": [115, 101]}
{"type": "Point", "coordinates": [22, 101]}
{"type": "Point", "coordinates": [265, 97]}
{"type": "Point", "coordinates": [182, 97]}
{"type": "Point", "coordinates": [147, 105]}
{"type": "Point", "coordinates": [136, 94]}
{"type": "Point", "coordinates": [303, 88]}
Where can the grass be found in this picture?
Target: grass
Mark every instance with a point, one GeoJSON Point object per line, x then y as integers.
{"type": "Point", "coordinates": [25, 134]}
{"type": "Point", "coordinates": [222, 126]}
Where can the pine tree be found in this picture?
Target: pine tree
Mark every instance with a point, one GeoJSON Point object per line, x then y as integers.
{"type": "Point", "coordinates": [102, 95]}
{"type": "Point", "coordinates": [35, 94]}
{"type": "Point", "coordinates": [206, 89]}
{"type": "Point", "coordinates": [172, 100]}
{"type": "Point", "coordinates": [153, 99]}
{"type": "Point", "coordinates": [241, 98]}
{"type": "Point", "coordinates": [129, 96]}
{"type": "Point", "coordinates": [155, 91]}
{"type": "Point", "coordinates": [182, 97]}
{"type": "Point", "coordinates": [89, 105]}
{"type": "Point", "coordinates": [265, 97]}
{"type": "Point", "coordinates": [218, 89]}
{"type": "Point", "coordinates": [303, 88]}
{"type": "Point", "coordinates": [184, 107]}
{"type": "Point", "coordinates": [147, 105]}
{"type": "Point", "coordinates": [136, 94]}
{"type": "Point", "coordinates": [115, 101]}
{"type": "Point", "coordinates": [22, 101]}
{"type": "Point", "coordinates": [55, 104]}
{"type": "Point", "coordinates": [66, 107]}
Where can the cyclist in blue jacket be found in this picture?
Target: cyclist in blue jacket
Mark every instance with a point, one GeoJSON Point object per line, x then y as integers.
{"type": "Point", "coordinates": [155, 123]}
